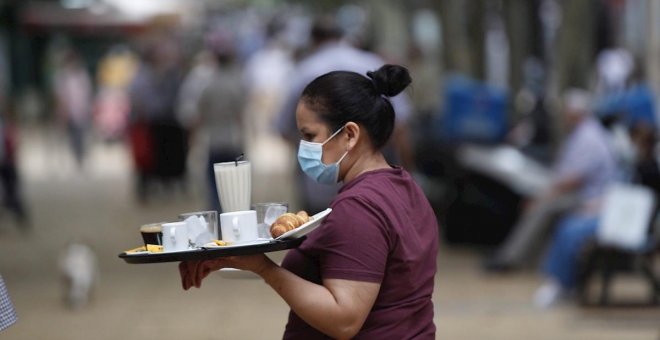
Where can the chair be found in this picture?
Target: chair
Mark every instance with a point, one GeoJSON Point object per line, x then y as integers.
{"type": "Point", "coordinates": [627, 241]}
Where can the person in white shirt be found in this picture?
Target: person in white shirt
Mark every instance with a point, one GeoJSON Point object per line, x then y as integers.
{"type": "Point", "coordinates": [331, 53]}
{"type": "Point", "coordinates": [73, 94]}
{"type": "Point", "coordinates": [585, 166]}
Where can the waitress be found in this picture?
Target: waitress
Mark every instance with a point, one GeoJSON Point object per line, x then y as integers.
{"type": "Point", "coordinates": [367, 272]}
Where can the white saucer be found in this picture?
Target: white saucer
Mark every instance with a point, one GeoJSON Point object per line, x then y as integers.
{"type": "Point", "coordinates": [307, 227]}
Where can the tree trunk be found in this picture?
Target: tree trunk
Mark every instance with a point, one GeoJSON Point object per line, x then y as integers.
{"type": "Point", "coordinates": [574, 58]}
{"type": "Point", "coordinates": [463, 36]}
{"type": "Point", "coordinates": [476, 33]}
{"type": "Point", "coordinates": [519, 18]}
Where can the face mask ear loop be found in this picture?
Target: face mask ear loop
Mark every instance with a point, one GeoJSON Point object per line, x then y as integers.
{"type": "Point", "coordinates": [337, 165]}
{"type": "Point", "coordinates": [342, 157]}
{"type": "Point", "coordinates": [333, 135]}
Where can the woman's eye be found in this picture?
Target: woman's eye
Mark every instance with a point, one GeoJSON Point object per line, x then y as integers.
{"type": "Point", "coordinates": [308, 137]}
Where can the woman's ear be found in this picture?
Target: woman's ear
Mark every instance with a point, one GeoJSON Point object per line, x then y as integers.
{"type": "Point", "coordinates": [353, 133]}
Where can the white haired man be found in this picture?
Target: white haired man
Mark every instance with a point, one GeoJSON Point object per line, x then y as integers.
{"type": "Point", "coordinates": [585, 166]}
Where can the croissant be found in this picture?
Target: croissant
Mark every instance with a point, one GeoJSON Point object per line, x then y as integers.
{"type": "Point", "coordinates": [303, 214]}
{"type": "Point", "coordinates": [288, 222]}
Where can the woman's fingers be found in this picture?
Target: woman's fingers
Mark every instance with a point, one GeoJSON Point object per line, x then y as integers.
{"type": "Point", "coordinates": [205, 268]}
{"type": "Point", "coordinates": [194, 281]}
{"type": "Point", "coordinates": [194, 272]}
{"type": "Point", "coordinates": [188, 270]}
{"type": "Point", "coordinates": [201, 273]}
{"type": "Point", "coordinates": [183, 272]}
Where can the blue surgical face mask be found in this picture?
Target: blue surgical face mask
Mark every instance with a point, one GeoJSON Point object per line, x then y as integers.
{"type": "Point", "coordinates": [310, 158]}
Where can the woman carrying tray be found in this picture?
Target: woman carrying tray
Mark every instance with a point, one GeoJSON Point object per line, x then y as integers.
{"type": "Point", "coordinates": [368, 270]}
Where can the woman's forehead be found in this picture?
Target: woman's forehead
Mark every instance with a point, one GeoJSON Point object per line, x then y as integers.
{"type": "Point", "coordinates": [306, 117]}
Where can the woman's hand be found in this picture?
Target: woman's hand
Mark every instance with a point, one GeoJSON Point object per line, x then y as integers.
{"type": "Point", "coordinates": [193, 272]}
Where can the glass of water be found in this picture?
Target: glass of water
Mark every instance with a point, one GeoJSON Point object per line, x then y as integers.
{"type": "Point", "coordinates": [267, 213]}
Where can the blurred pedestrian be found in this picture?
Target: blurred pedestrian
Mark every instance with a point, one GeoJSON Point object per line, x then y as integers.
{"type": "Point", "coordinates": [112, 104]}
{"type": "Point", "coordinates": [73, 97]}
{"type": "Point", "coordinates": [9, 174]}
{"type": "Point", "coordinates": [585, 167]}
{"type": "Point", "coordinates": [646, 170]}
{"type": "Point", "coordinates": [264, 73]}
{"type": "Point", "coordinates": [201, 74]}
{"type": "Point", "coordinates": [613, 68]}
{"type": "Point", "coordinates": [7, 312]}
{"type": "Point", "coordinates": [331, 53]}
{"type": "Point", "coordinates": [532, 133]}
{"type": "Point", "coordinates": [217, 118]}
{"type": "Point", "coordinates": [159, 141]}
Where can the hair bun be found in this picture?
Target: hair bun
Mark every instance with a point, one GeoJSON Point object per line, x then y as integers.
{"type": "Point", "coordinates": [390, 80]}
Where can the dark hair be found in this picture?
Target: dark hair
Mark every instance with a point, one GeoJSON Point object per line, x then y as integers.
{"type": "Point", "coordinates": [324, 29]}
{"type": "Point", "coordinates": [340, 97]}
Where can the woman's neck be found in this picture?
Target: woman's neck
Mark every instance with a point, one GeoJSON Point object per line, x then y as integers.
{"type": "Point", "coordinates": [367, 162]}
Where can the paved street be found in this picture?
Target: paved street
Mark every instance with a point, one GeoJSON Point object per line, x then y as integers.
{"type": "Point", "coordinates": [96, 206]}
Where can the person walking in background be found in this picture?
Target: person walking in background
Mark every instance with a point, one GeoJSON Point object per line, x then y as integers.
{"type": "Point", "coordinates": [646, 171]}
{"type": "Point", "coordinates": [331, 53]}
{"type": "Point", "coordinates": [201, 73]}
{"type": "Point", "coordinates": [73, 97]}
{"type": "Point", "coordinates": [10, 179]}
{"type": "Point", "coordinates": [158, 140]}
{"type": "Point", "coordinates": [112, 105]}
{"type": "Point", "coordinates": [203, 70]}
{"type": "Point", "coordinates": [264, 73]}
{"type": "Point", "coordinates": [7, 312]}
{"type": "Point", "coordinates": [586, 166]}
{"type": "Point", "coordinates": [367, 272]}
{"type": "Point", "coordinates": [217, 119]}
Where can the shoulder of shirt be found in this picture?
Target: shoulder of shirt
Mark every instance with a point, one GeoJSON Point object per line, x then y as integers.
{"type": "Point", "coordinates": [338, 57]}
{"type": "Point", "coordinates": [361, 202]}
{"type": "Point", "coordinates": [589, 129]}
{"type": "Point", "coordinates": [369, 199]}
{"type": "Point", "coordinates": [366, 185]}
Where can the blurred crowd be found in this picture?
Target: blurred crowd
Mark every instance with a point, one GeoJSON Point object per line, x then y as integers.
{"type": "Point", "coordinates": [234, 94]}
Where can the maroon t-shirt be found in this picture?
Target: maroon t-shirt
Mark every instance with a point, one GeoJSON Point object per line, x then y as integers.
{"type": "Point", "coordinates": [381, 229]}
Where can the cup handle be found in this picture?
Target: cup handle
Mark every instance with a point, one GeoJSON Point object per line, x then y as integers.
{"type": "Point", "coordinates": [173, 235]}
{"type": "Point", "coordinates": [237, 231]}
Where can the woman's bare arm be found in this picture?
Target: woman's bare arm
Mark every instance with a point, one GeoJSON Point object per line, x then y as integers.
{"type": "Point", "coordinates": [337, 308]}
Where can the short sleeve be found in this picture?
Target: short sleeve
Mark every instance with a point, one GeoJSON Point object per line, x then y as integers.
{"type": "Point", "coordinates": [356, 243]}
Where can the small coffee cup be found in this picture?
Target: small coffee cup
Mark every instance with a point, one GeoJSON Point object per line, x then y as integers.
{"type": "Point", "coordinates": [152, 233]}
{"type": "Point", "coordinates": [239, 226]}
{"type": "Point", "coordinates": [175, 236]}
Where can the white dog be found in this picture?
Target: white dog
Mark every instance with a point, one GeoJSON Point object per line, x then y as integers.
{"type": "Point", "coordinates": [79, 267]}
